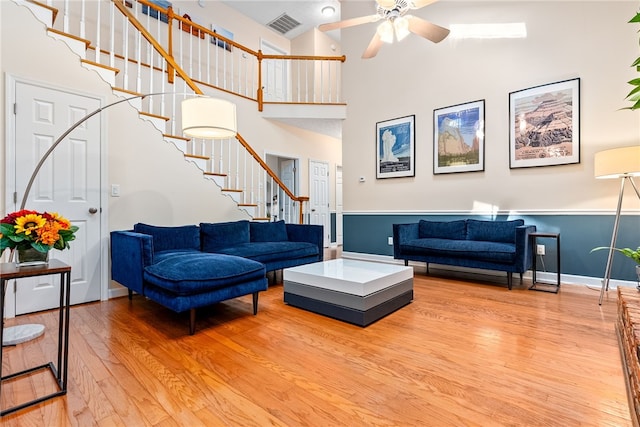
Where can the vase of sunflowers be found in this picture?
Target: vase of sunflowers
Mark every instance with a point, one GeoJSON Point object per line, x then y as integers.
{"type": "Point", "coordinates": [33, 234]}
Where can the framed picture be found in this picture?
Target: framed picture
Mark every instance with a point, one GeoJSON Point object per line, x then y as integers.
{"type": "Point", "coordinates": [224, 33]}
{"type": "Point", "coordinates": [395, 147]}
{"type": "Point", "coordinates": [458, 138]}
{"type": "Point", "coordinates": [154, 13]}
{"type": "Point", "coordinates": [544, 125]}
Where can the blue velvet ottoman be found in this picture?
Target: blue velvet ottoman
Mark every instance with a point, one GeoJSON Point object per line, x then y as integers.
{"type": "Point", "coordinates": [186, 281]}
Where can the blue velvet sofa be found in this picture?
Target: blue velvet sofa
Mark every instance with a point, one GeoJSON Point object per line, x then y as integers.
{"type": "Point", "coordinates": [491, 245]}
{"type": "Point", "coordinates": [187, 267]}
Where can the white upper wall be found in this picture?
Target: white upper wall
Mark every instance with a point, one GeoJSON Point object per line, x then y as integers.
{"type": "Point", "coordinates": [566, 39]}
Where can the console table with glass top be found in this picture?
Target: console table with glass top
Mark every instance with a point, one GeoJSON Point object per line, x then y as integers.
{"type": "Point", "coordinates": [10, 271]}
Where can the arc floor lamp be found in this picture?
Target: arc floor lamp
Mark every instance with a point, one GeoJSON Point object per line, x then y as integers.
{"type": "Point", "coordinates": [202, 117]}
{"type": "Point", "coordinates": [623, 164]}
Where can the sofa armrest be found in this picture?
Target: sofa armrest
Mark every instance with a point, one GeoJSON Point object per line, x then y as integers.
{"type": "Point", "coordinates": [130, 253]}
{"type": "Point", "coordinates": [524, 248]}
{"type": "Point", "coordinates": [401, 234]}
{"type": "Point", "coordinates": [309, 233]}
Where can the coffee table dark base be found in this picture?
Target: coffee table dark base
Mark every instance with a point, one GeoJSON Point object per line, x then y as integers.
{"type": "Point", "coordinates": [346, 314]}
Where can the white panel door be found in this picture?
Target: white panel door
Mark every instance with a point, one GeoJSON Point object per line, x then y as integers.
{"type": "Point", "coordinates": [275, 75]}
{"type": "Point", "coordinates": [319, 197]}
{"type": "Point", "coordinates": [288, 209]}
{"type": "Point", "coordinates": [339, 205]}
{"type": "Point", "coordinates": [68, 183]}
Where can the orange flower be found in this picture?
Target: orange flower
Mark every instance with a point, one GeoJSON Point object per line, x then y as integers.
{"type": "Point", "coordinates": [55, 216]}
{"type": "Point", "coordinates": [48, 234]}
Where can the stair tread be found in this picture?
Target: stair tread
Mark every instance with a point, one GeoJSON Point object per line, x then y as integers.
{"type": "Point", "coordinates": [184, 138]}
{"type": "Point", "coordinates": [232, 190]}
{"type": "Point", "coordinates": [195, 156]}
{"type": "Point", "coordinates": [247, 204]}
{"type": "Point", "coordinates": [144, 113]}
{"type": "Point", "coordinates": [130, 92]}
{"type": "Point", "coordinates": [96, 64]}
{"type": "Point", "coordinates": [215, 174]}
{"type": "Point", "coordinates": [71, 36]}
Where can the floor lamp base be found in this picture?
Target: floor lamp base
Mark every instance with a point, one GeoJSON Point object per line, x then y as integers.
{"type": "Point", "coordinates": [21, 333]}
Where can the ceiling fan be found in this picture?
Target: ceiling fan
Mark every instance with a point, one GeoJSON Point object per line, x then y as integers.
{"type": "Point", "coordinates": [393, 12]}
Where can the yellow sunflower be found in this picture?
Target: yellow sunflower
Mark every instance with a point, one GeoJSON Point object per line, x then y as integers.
{"type": "Point", "coordinates": [28, 223]}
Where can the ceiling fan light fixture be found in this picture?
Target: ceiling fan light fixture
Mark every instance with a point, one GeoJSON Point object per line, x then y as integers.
{"type": "Point", "coordinates": [385, 31]}
{"type": "Point", "coordinates": [401, 25]}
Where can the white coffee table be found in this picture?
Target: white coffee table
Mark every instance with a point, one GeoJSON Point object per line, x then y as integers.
{"type": "Point", "coordinates": [358, 292]}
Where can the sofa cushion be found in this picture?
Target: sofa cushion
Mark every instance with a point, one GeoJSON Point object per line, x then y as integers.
{"type": "Point", "coordinates": [493, 231]}
{"type": "Point", "coordinates": [268, 231]}
{"type": "Point", "coordinates": [455, 230]}
{"type": "Point", "coordinates": [192, 273]}
{"type": "Point", "coordinates": [273, 251]}
{"type": "Point", "coordinates": [168, 238]}
{"type": "Point", "coordinates": [467, 249]}
{"type": "Point", "coordinates": [223, 235]}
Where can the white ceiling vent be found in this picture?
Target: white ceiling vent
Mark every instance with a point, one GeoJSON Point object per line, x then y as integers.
{"type": "Point", "coordinates": [283, 24]}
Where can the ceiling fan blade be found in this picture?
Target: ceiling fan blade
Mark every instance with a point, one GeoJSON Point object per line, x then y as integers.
{"type": "Point", "coordinates": [348, 22]}
{"type": "Point", "coordinates": [373, 48]}
{"type": "Point", "coordinates": [417, 4]}
{"type": "Point", "coordinates": [426, 29]}
{"type": "Point", "coordinates": [386, 4]}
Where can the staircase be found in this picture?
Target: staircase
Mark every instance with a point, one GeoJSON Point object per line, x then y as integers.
{"type": "Point", "coordinates": [119, 40]}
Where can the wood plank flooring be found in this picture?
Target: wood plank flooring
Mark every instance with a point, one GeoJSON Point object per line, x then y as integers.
{"type": "Point", "coordinates": [464, 352]}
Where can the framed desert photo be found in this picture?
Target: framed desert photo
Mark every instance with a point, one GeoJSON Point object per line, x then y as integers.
{"type": "Point", "coordinates": [395, 148]}
{"type": "Point", "coordinates": [458, 138]}
{"type": "Point", "coordinates": [544, 125]}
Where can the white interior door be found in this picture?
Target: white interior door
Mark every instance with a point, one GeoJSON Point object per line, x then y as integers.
{"type": "Point", "coordinates": [275, 74]}
{"type": "Point", "coordinates": [319, 197]}
{"type": "Point", "coordinates": [339, 206]}
{"type": "Point", "coordinates": [68, 183]}
{"type": "Point", "coordinates": [288, 209]}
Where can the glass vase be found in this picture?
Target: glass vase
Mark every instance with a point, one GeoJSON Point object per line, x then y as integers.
{"type": "Point", "coordinates": [31, 257]}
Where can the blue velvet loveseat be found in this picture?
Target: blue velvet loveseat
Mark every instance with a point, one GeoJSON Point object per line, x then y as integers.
{"type": "Point", "coordinates": [491, 245]}
{"type": "Point", "coordinates": [187, 267]}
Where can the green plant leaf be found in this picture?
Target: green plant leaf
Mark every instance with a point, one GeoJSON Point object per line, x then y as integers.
{"type": "Point", "coordinates": [635, 18]}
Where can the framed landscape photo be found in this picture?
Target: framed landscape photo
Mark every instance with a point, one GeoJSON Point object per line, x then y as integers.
{"type": "Point", "coordinates": [458, 138]}
{"type": "Point", "coordinates": [395, 148]}
{"type": "Point", "coordinates": [544, 125]}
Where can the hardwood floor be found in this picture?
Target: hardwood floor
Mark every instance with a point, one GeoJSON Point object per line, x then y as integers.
{"type": "Point", "coordinates": [462, 353]}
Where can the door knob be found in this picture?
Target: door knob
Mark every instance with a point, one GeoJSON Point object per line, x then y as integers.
{"type": "Point", "coordinates": [93, 210]}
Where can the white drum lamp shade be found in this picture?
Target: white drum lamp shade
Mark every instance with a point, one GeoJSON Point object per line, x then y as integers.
{"type": "Point", "coordinates": [209, 118]}
{"type": "Point", "coordinates": [617, 163]}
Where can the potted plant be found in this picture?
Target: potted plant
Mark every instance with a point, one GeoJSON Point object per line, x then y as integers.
{"type": "Point", "coordinates": [628, 252]}
{"type": "Point", "coordinates": [634, 94]}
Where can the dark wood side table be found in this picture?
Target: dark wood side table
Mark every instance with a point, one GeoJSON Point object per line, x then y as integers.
{"type": "Point", "coordinates": [545, 286]}
{"type": "Point", "coordinates": [9, 271]}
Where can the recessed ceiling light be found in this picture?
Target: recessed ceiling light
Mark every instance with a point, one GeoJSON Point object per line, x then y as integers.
{"type": "Point", "coordinates": [328, 11]}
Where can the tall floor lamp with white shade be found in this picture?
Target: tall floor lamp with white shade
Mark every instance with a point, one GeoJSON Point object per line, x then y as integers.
{"type": "Point", "coordinates": [201, 117]}
{"type": "Point", "coordinates": [623, 164]}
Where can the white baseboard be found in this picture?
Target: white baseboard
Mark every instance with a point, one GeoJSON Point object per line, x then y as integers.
{"type": "Point", "coordinates": [541, 276]}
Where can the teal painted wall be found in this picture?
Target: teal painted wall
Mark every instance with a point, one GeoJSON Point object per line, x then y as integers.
{"type": "Point", "coordinates": [368, 234]}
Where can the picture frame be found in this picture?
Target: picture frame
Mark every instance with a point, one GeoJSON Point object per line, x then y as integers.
{"type": "Point", "coordinates": [224, 33]}
{"type": "Point", "coordinates": [458, 138]}
{"type": "Point", "coordinates": [154, 13]}
{"type": "Point", "coordinates": [544, 125]}
{"type": "Point", "coordinates": [395, 147]}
